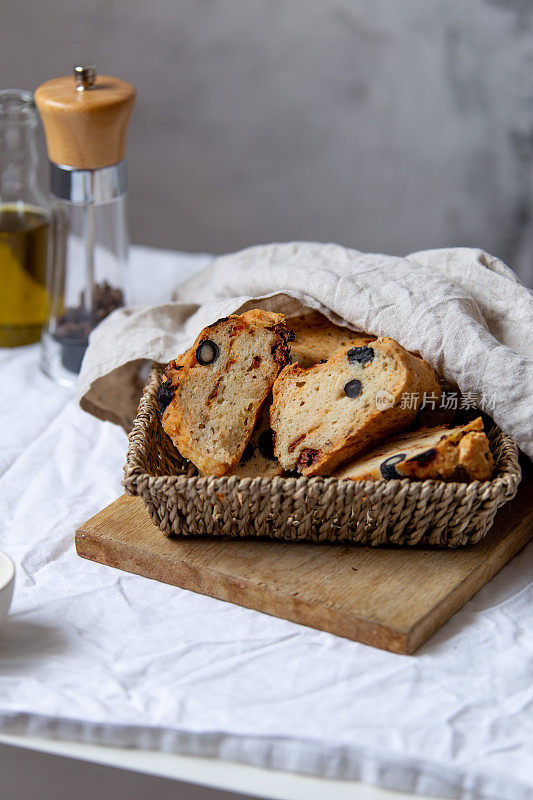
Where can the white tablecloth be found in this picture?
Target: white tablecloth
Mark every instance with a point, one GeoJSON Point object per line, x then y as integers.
{"type": "Point", "coordinates": [94, 654]}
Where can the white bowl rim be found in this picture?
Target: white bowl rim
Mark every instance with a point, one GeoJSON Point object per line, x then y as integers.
{"type": "Point", "coordinates": [7, 570]}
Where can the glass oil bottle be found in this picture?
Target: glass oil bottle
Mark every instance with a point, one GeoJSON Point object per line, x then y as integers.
{"type": "Point", "coordinates": [24, 224]}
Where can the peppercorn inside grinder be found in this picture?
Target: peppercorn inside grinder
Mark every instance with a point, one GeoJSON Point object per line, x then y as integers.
{"type": "Point", "coordinates": [85, 118]}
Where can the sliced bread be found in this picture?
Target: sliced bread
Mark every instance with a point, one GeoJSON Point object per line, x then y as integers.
{"type": "Point", "coordinates": [258, 459]}
{"type": "Point", "coordinates": [214, 392]}
{"type": "Point", "coordinates": [324, 415]}
{"type": "Point", "coordinates": [316, 338]}
{"type": "Point", "coordinates": [447, 454]}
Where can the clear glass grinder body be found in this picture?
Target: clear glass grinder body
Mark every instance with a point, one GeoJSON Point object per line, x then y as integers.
{"type": "Point", "coordinates": [87, 278]}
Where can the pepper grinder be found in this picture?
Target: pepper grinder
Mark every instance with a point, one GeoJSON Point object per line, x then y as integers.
{"type": "Point", "coordinates": [85, 119]}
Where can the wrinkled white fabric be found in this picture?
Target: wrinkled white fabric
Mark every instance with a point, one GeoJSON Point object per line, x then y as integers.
{"type": "Point", "coordinates": [95, 654]}
{"type": "Point", "coordinates": [462, 309]}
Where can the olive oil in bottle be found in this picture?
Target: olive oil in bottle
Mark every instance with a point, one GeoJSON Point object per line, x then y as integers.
{"type": "Point", "coordinates": [23, 259]}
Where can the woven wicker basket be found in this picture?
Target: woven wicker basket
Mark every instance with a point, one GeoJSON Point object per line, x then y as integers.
{"type": "Point", "coordinates": [398, 512]}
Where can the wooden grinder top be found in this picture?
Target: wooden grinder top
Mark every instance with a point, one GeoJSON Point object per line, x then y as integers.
{"type": "Point", "coordinates": [85, 118]}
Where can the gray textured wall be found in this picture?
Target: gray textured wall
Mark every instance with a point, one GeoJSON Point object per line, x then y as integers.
{"type": "Point", "coordinates": [387, 125]}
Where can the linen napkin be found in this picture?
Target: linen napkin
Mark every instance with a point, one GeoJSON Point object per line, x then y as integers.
{"type": "Point", "coordinates": [462, 309]}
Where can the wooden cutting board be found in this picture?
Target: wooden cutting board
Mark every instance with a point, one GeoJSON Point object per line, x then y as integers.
{"type": "Point", "coordinates": [389, 598]}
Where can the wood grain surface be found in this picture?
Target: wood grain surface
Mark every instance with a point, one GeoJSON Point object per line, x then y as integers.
{"type": "Point", "coordinates": [390, 598]}
{"type": "Point", "coordinates": [86, 130]}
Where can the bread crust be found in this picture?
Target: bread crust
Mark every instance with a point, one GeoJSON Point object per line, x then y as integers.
{"type": "Point", "coordinates": [318, 427]}
{"type": "Point", "coordinates": [213, 406]}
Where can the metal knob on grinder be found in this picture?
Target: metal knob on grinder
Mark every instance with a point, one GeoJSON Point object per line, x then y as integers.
{"type": "Point", "coordinates": [85, 77]}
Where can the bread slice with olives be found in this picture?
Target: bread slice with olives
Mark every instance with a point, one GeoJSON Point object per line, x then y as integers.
{"type": "Point", "coordinates": [316, 338]}
{"type": "Point", "coordinates": [214, 392]}
{"type": "Point", "coordinates": [325, 415]}
{"type": "Point", "coordinates": [461, 454]}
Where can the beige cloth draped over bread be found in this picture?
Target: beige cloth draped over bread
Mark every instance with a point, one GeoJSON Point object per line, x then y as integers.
{"type": "Point", "coordinates": [463, 310]}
